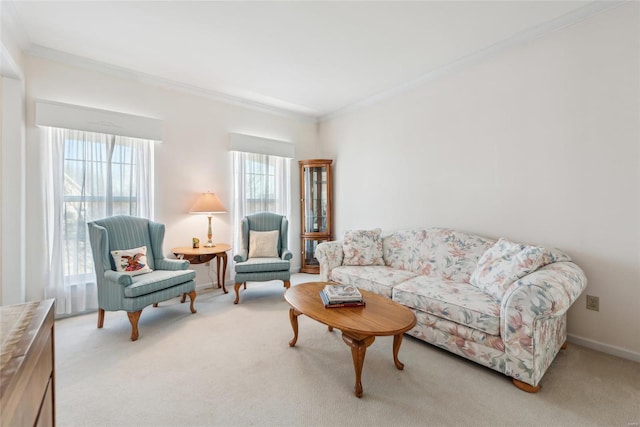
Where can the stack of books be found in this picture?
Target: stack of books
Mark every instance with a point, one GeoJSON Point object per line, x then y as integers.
{"type": "Point", "coordinates": [341, 296]}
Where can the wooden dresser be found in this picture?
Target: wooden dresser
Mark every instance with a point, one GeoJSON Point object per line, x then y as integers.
{"type": "Point", "coordinates": [27, 380]}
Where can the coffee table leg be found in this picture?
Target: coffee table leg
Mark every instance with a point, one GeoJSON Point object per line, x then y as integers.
{"type": "Point", "coordinates": [397, 341]}
{"type": "Point", "coordinates": [293, 317]}
{"type": "Point", "coordinates": [358, 351]}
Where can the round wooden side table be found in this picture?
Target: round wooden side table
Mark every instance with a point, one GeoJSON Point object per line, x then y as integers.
{"type": "Point", "coordinates": [202, 255]}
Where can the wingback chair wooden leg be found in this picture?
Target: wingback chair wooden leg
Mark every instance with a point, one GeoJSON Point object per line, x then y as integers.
{"type": "Point", "coordinates": [100, 318]}
{"type": "Point", "coordinates": [133, 318]}
{"type": "Point", "coordinates": [287, 284]}
{"type": "Point", "coordinates": [192, 297]}
{"type": "Point", "coordinates": [236, 288]}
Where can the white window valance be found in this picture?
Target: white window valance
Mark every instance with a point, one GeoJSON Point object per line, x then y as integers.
{"type": "Point", "coordinates": [67, 116]}
{"type": "Point", "coordinates": [258, 145]}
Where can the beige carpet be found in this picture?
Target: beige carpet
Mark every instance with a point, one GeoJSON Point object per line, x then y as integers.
{"type": "Point", "coordinates": [230, 365]}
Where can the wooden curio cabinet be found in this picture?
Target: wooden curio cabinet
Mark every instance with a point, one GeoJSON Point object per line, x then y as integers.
{"type": "Point", "coordinates": [315, 208]}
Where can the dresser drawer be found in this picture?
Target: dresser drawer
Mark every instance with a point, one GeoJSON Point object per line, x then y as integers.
{"type": "Point", "coordinates": [27, 381]}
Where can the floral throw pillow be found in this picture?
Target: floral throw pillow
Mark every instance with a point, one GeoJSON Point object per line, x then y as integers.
{"type": "Point", "coordinates": [554, 255]}
{"type": "Point", "coordinates": [131, 261]}
{"type": "Point", "coordinates": [362, 247]}
{"type": "Point", "coordinates": [504, 263]}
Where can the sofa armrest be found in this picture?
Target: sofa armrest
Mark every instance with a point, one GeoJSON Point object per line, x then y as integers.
{"type": "Point", "coordinates": [536, 300]}
{"type": "Point", "coordinates": [330, 256]}
{"type": "Point", "coordinates": [171, 264]}
{"type": "Point", "coordinates": [548, 291]}
{"type": "Point", "coordinates": [123, 279]}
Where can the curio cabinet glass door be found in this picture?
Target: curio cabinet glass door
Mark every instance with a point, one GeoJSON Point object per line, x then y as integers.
{"type": "Point", "coordinates": [316, 209]}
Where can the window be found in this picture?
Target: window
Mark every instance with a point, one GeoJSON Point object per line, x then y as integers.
{"type": "Point", "coordinates": [93, 176]}
{"type": "Point", "coordinates": [261, 183]}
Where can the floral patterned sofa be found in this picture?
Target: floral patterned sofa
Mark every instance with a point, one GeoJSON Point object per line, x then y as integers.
{"type": "Point", "coordinates": [499, 303]}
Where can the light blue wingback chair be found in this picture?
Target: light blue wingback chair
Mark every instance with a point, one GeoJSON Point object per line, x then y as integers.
{"type": "Point", "coordinates": [121, 291]}
{"type": "Point", "coordinates": [263, 269]}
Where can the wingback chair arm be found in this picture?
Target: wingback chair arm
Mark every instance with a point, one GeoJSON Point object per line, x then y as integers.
{"type": "Point", "coordinates": [123, 279]}
{"type": "Point", "coordinates": [99, 247]}
{"type": "Point", "coordinates": [171, 264]}
{"type": "Point", "coordinates": [241, 256]}
{"type": "Point", "coordinates": [286, 255]}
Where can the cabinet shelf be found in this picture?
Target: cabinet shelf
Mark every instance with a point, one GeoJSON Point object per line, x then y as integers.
{"type": "Point", "coordinates": [315, 208]}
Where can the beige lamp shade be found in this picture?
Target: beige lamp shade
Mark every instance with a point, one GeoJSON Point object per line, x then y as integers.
{"type": "Point", "coordinates": [208, 203]}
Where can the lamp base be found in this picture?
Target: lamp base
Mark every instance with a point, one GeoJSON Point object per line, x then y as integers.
{"type": "Point", "coordinates": [209, 243]}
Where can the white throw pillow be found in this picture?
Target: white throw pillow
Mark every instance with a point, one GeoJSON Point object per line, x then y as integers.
{"type": "Point", "coordinates": [362, 247]}
{"type": "Point", "coordinates": [504, 263]}
{"type": "Point", "coordinates": [263, 244]}
{"type": "Point", "coordinates": [131, 261]}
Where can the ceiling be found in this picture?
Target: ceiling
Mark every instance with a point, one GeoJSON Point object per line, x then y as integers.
{"type": "Point", "coordinates": [304, 57]}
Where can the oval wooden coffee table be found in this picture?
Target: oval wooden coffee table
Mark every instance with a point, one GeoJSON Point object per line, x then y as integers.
{"type": "Point", "coordinates": [359, 325]}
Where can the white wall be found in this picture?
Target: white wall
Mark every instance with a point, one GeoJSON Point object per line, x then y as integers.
{"type": "Point", "coordinates": [12, 249]}
{"type": "Point", "coordinates": [12, 170]}
{"type": "Point", "coordinates": [193, 157]}
{"type": "Point", "coordinates": [538, 143]}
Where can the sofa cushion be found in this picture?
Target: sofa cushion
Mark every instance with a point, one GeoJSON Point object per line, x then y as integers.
{"type": "Point", "coordinates": [374, 278]}
{"type": "Point", "coordinates": [407, 250]}
{"type": "Point", "coordinates": [156, 281]}
{"type": "Point", "coordinates": [438, 252]}
{"type": "Point", "coordinates": [362, 247]}
{"type": "Point", "coordinates": [459, 302]}
{"type": "Point", "coordinates": [255, 265]}
{"type": "Point", "coordinates": [452, 333]}
{"type": "Point", "coordinates": [504, 263]}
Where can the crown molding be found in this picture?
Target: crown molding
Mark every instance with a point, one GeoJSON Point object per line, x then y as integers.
{"type": "Point", "coordinates": [520, 38]}
{"type": "Point", "coordinates": [12, 22]}
{"type": "Point", "coordinates": [13, 41]}
{"type": "Point", "coordinates": [8, 67]}
{"type": "Point", "coordinates": [126, 73]}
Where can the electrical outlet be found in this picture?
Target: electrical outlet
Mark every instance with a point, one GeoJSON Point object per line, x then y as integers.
{"type": "Point", "coordinates": [593, 303]}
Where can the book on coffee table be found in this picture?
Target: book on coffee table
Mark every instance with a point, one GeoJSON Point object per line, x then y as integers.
{"type": "Point", "coordinates": [328, 304]}
{"type": "Point", "coordinates": [342, 293]}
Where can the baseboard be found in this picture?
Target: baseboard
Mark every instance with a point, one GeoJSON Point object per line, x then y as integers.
{"type": "Point", "coordinates": [229, 283]}
{"type": "Point", "coordinates": [604, 348]}
{"type": "Point", "coordinates": [204, 286]}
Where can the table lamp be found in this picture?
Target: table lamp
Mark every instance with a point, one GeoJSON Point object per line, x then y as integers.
{"type": "Point", "coordinates": [208, 204]}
